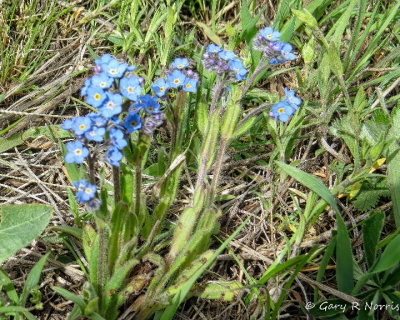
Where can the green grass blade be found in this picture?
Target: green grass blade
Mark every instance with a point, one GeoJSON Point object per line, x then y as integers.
{"type": "Point", "coordinates": [344, 256]}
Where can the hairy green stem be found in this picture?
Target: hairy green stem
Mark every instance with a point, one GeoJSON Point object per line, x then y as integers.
{"type": "Point", "coordinates": [138, 183]}
{"type": "Point", "coordinates": [117, 188]}
{"type": "Point", "coordinates": [92, 177]}
{"type": "Point", "coordinates": [218, 168]}
{"type": "Point", "coordinates": [260, 68]}
{"type": "Point", "coordinates": [103, 260]}
{"type": "Point", "coordinates": [219, 86]}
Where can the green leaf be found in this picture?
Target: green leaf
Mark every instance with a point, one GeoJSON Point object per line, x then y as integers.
{"type": "Point", "coordinates": [33, 279]}
{"type": "Point", "coordinates": [20, 224]}
{"type": "Point", "coordinates": [73, 231]}
{"type": "Point", "coordinates": [306, 17]}
{"type": "Point", "coordinates": [342, 23]}
{"type": "Point", "coordinates": [371, 233]}
{"type": "Point", "coordinates": [79, 301]}
{"type": "Point", "coordinates": [211, 35]}
{"type": "Point", "coordinates": [17, 310]}
{"type": "Point", "coordinates": [389, 257]}
{"type": "Point", "coordinates": [243, 128]}
{"type": "Point", "coordinates": [393, 175]}
{"type": "Point", "coordinates": [311, 182]}
{"type": "Point", "coordinates": [7, 286]}
{"type": "Point", "coordinates": [221, 290]}
{"type": "Point", "coordinates": [344, 256]}
{"type": "Point", "coordinates": [248, 22]}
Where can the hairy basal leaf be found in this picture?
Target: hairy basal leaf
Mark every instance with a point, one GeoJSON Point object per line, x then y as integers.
{"type": "Point", "coordinates": [20, 224]}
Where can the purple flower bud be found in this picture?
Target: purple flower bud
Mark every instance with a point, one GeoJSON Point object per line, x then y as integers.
{"type": "Point", "coordinates": [97, 69]}
{"type": "Point", "coordinates": [206, 55]}
{"type": "Point", "coordinates": [141, 80]}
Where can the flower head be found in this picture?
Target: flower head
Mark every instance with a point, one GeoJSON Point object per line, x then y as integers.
{"type": "Point", "coordinates": [132, 122]}
{"type": "Point", "coordinates": [76, 152]}
{"type": "Point", "coordinates": [114, 68]}
{"type": "Point", "coordinates": [149, 103]}
{"type": "Point", "coordinates": [180, 63]}
{"type": "Point", "coordinates": [80, 125]}
{"type": "Point", "coordinates": [268, 33]}
{"type": "Point", "coordinates": [160, 87]}
{"type": "Point", "coordinates": [213, 48]}
{"type": "Point", "coordinates": [130, 88]}
{"type": "Point", "coordinates": [114, 156]}
{"type": "Point", "coordinates": [117, 138]}
{"type": "Point", "coordinates": [237, 67]}
{"type": "Point", "coordinates": [176, 79]}
{"type": "Point", "coordinates": [190, 85]}
{"type": "Point", "coordinates": [282, 111]}
{"type": "Point", "coordinates": [95, 96]}
{"type": "Point", "coordinates": [85, 191]}
{"type": "Point", "coordinates": [112, 106]}
{"type": "Point", "coordinates": [101, 81]}
{"type": "Point", "coordinates": [291, 98]}
{"type": "Point", "coordinates": [226, 55]}
{"type": "Point", "coordinates": [95, 134]}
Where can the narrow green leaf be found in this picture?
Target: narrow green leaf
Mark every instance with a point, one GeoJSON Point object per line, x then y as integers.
{"type": "Point", "coordinates": [24, 223]}
{"type": "Point", "coordinates": [33, 279]}
{"type": "Point", "coordinates": [79, 301]}
{"type": "Point", "coordinates": [211, 35]}
{"type": "Point", "coordinates": [344, 256]}
{"type": "Point", "coordinates": [16, 310]}
{"type": "Point", "coordinates": [393, 175]}
{"type": "Point", "coordinates": [311, 182]}
{"type": "Point", "coordinates": [342, 23]}
{"type": "Point", "coordinates": [7, 286]}
{"type": "Point", "coordinates": [389, 257]}
{"type": "Point", "coordinates": [371, 233]}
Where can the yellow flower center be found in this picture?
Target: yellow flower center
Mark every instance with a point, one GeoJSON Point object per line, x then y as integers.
{"type": "Point", "coordinates": [78, 152]}
{"type": "Point", "coordinates": [180, 66]}
{"type": "Point", "coordinates": [88, 190]}
{"type": "Point", "coordinates": [188, 85]}
{"type": "Point", "coordinates": [150, 108]}
{"type": "Point", "coordinates": [110, 105]}
{"type": "Point", "coordinates": [82, 127]}
{"type": "Point", "coordinates": [133, 123]}
{"type": "Point", "coordinates": [103, 84]}
{"type": "Point", "coordinates": [281, 110]}
{"type": "Point", "coordinates": [113, 71]}
{"type": "Point", "coordinates": [177, 81]}
{"type": "Point", "coordinates": [162, 89]}
{"type": "Point", "coordinates": [97, 96]}
{"type": "Point", "coordinates": [269, 36]}
{"type": "Point", "coordinates": [130, 89]}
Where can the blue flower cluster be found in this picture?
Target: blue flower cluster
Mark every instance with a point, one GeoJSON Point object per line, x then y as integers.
{"type": "Point", "coordinates": [267, 41]}
{"type": "Point", "coordinates": [224, 62]}
{"type": "Point", "coordinates": [110, 91]}
{"type": "Point", "coordinates": [178, 76]}
{"type": "Point", "coordinates": [286, 108]}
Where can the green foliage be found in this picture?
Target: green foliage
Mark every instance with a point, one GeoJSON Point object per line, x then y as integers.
{"type": "Point", "coordinates": [15, 305]}
{"type": "Point", "coordinates": [24, 222]}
